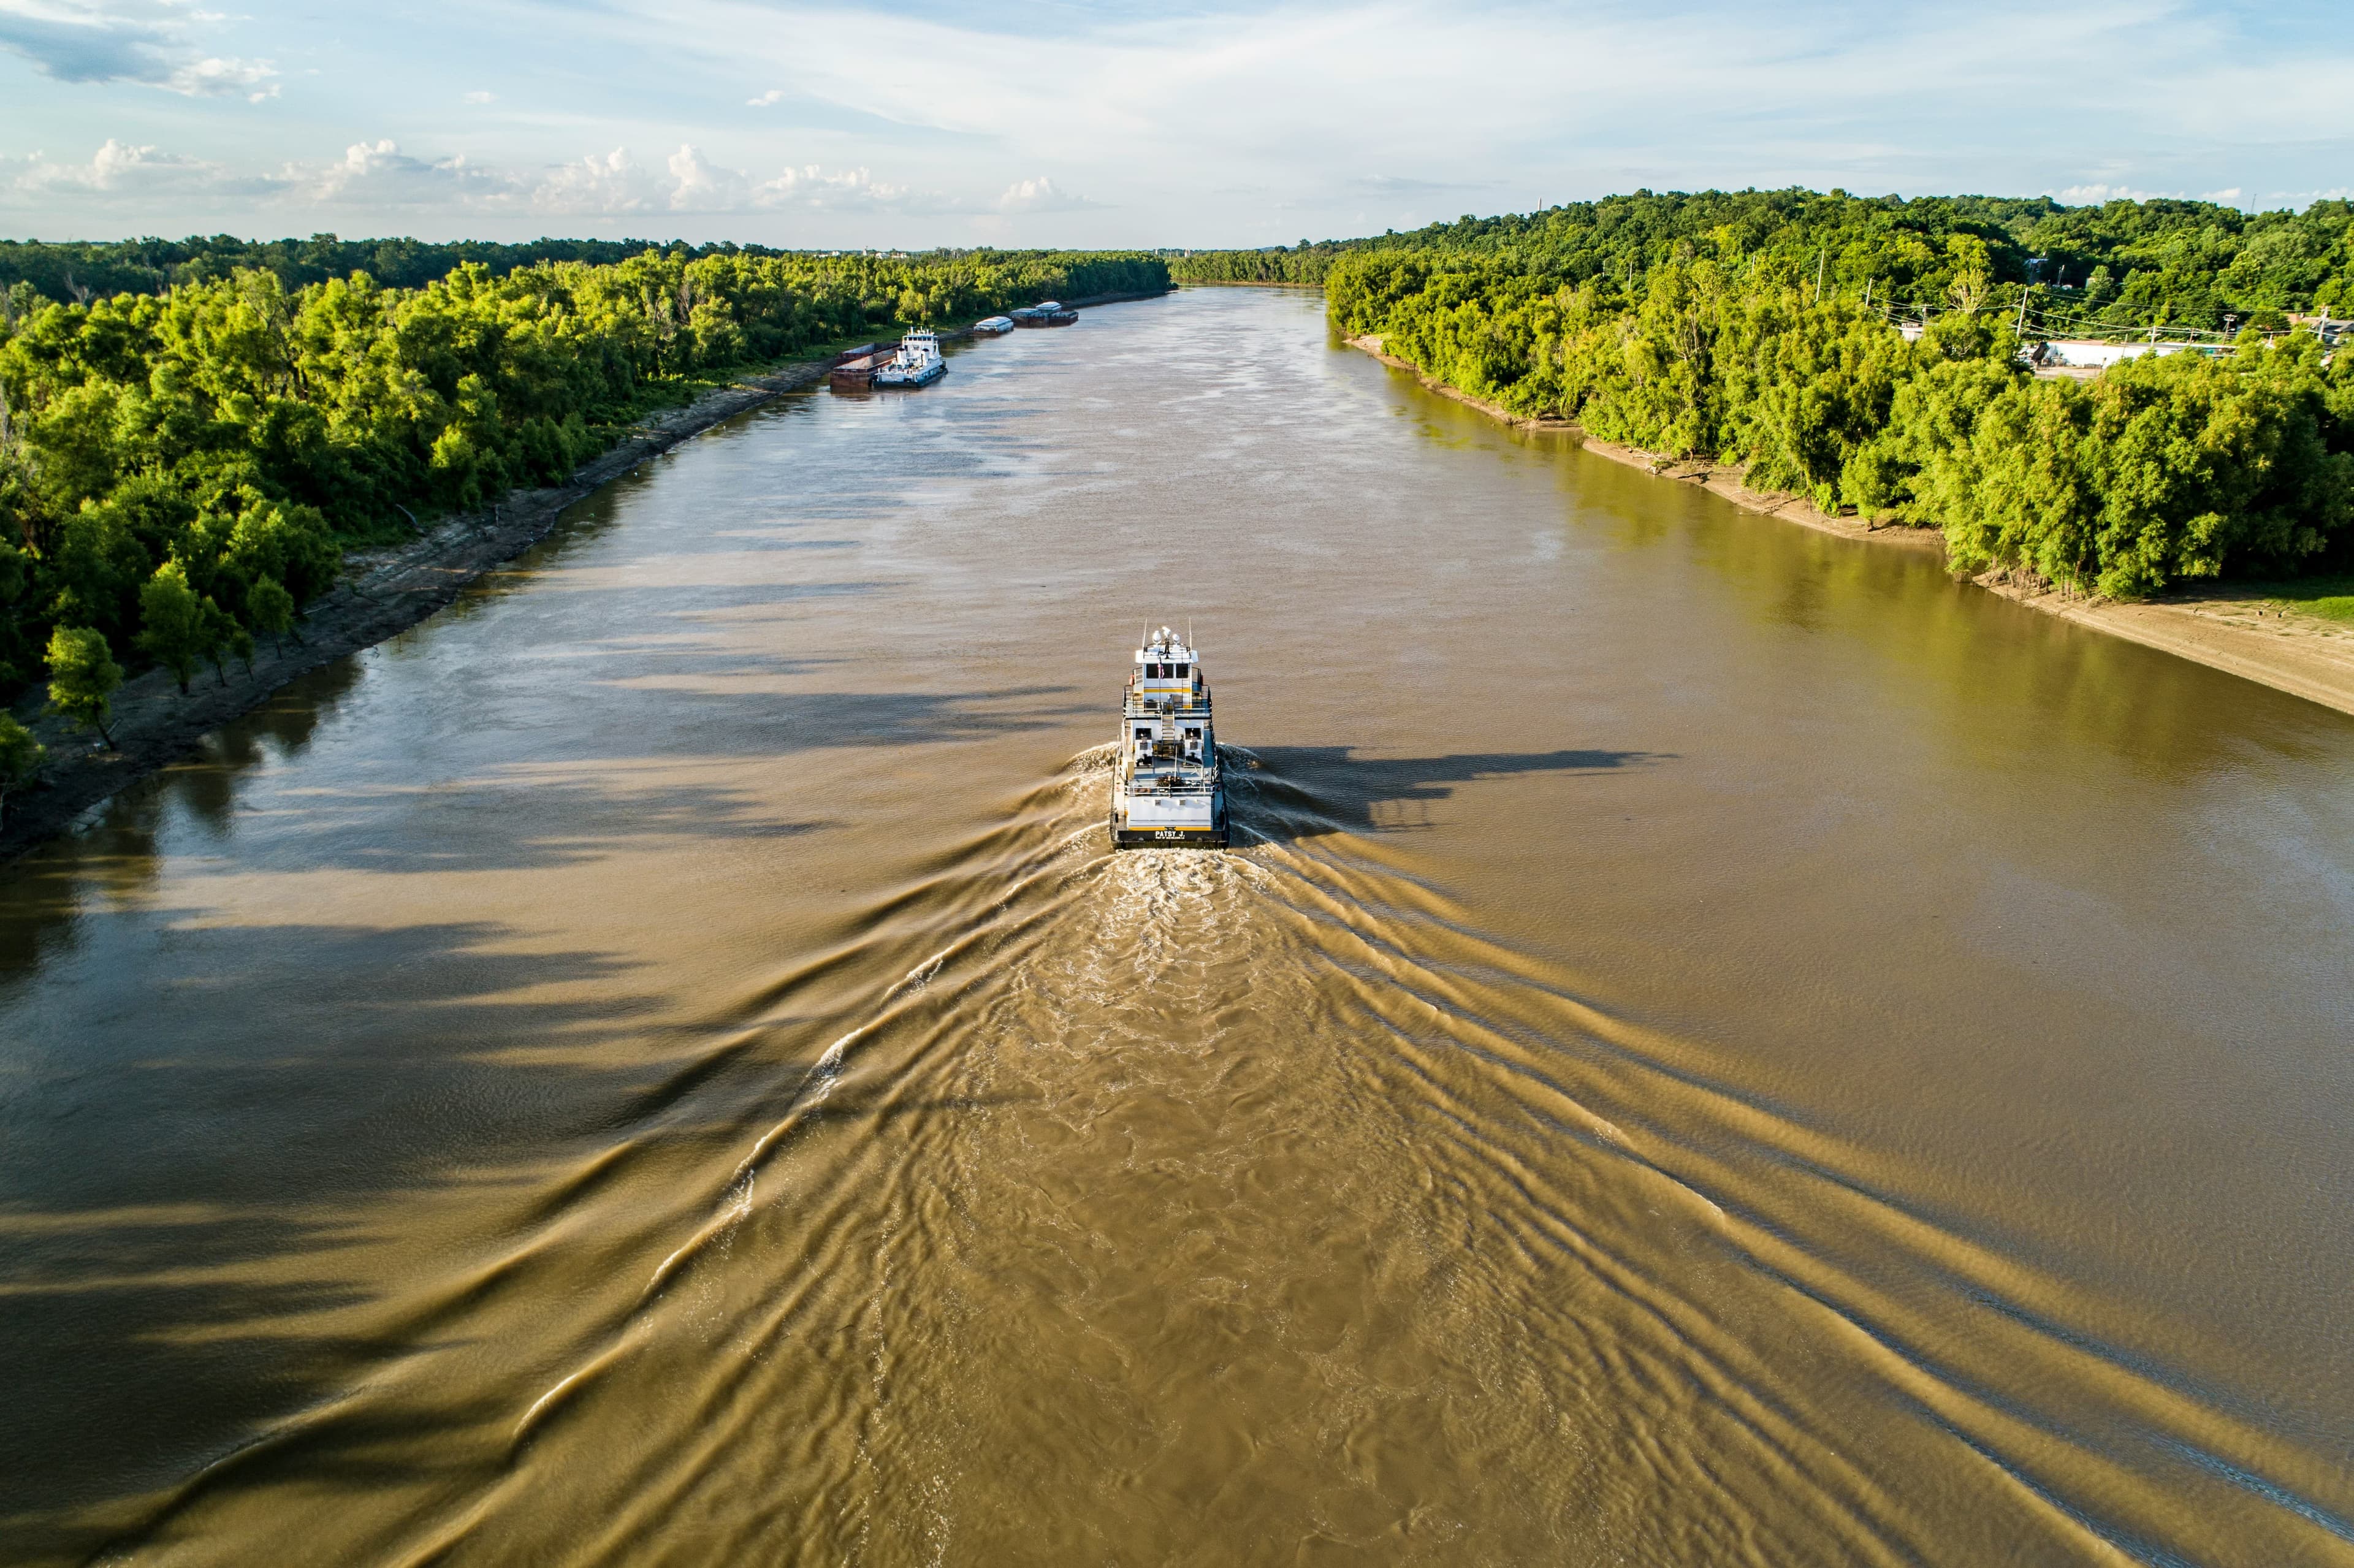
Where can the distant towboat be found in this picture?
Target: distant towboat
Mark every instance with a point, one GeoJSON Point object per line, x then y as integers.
{"type": "Point", "coordinates": [1044, 314]}
{"type": "Point", "coordinates": [918, 362]}
{"type": "Point", "coordinates": [994, 325]}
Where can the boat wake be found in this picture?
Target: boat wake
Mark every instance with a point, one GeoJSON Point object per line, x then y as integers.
{"type": "Point", "coordinates": [1251, 1206]}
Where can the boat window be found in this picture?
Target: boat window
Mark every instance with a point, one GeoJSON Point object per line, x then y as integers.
{"type": "Point", "coordinates": [1179, 670]}
{"type": "Point", "coordinates": [1153, 672]}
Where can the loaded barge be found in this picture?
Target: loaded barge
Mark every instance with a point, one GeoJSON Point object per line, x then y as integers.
{"type": "Point", "coordinates": [1167, 791]}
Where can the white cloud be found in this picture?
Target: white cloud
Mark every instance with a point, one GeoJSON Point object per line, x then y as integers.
{"type": "Point", "coordinates": [377, 176]}
{"type": "Point", "coordinates": [1155, 110]}
{"type": "Point", "coordinates": [225, 78]}
{"type": "Point", "coordinates": [1040, 196]}
{"type": "Point", "coordinates": [614, 183]}
{"type": "Point", "coordinates": [843, 190]}
{"type": "Point", "coordinates": [2095, 194]}
{"type": "Point", "coordinates": [115, 167]}
{"type": "Point", "coordinates": [481, 96]}
{"type": "Point", "coordinates": [142, 41]}
{"type": "Point", "coordinates": [698, 185]}
{"type": "Point", "coordinates": [1249, 124]}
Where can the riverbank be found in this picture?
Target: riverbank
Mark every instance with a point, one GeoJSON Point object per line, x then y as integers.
{"type": "Point", "coordinates": [2243, 633]}
{"type": "Point", "coordinates": [382, 592]}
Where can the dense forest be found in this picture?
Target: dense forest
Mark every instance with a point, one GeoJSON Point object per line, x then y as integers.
{"type": "Point", "coordinates": [77, 271]}
{"type": "Point", "coordinates": [179, 471]}
{"type": "Point", "coordinates": [2192, 265]}
{"type": "Point", "coordinates": [1763, 329]}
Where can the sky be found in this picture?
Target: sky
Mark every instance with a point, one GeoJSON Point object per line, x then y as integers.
{"type": "Point", "coordinates": [1023, 123]}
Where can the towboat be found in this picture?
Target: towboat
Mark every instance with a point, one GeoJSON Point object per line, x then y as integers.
{"type": "Point", "coordinates": [992, 326]}
{"type": "Point", "coordinates": [1167, 791]}
{"type": "Point", "coordinates": [918, 362]}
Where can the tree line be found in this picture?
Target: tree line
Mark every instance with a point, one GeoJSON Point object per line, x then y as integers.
{"type": "Point", "coordinates": [180, 471]}
{"type": "Point", "coordinates": [2119, 265]}
{"type": "Point", "coordinates": [1761, 329]}
{"type": "Point", "coordinates": [75, 271]}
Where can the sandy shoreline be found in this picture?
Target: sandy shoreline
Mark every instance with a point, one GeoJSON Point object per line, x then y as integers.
{"type": "Point", "coordinates": [382, 592]}
{"type": "Point", "coordinates": [2242, 634]}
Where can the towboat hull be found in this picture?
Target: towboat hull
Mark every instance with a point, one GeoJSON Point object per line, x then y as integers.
{"type": "Point", "coordinates": [1129, 836]}
{"type": "Point", "coordinates": [924, 378]}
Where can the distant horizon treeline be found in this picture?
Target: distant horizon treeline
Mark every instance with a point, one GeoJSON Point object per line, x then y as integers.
{"type": "Point", "coordinates": [77, 271]}
{"type": "Point", "coordinates": [176, 468]}
{"type": "Point", "coordinates": [2159, 262]}
{"type": "Point", "coordinates": [1759, 329]}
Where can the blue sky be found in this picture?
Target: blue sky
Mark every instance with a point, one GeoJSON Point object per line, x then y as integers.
{"type": "Point", "coordinates": [1033, 124]}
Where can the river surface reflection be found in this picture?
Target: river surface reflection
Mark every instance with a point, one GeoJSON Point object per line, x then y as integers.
{"type": "Point", "coordinates": [1721, 1045]}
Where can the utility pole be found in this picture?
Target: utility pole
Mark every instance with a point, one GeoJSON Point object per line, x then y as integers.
{"type": "Point", "coordinates": [2021, 330]}
{"type": "Point", "coordinates": [1822, 257]}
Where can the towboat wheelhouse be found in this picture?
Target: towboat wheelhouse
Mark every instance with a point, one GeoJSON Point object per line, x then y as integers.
{"type": "Point", "coordinates": [1167, 791]}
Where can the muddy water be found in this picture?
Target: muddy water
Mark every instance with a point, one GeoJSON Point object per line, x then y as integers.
{"type": "Point", "coordinates": [1721, 1046]}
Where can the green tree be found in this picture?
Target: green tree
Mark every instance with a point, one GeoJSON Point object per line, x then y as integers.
{"type": "Point", "coordinates": [174, 631]}
{"type": "Point", "coordinates": [271, 609]}
{"type": "Point", "coordinates": [219, 634]}
{"type": "Point", "coordinates": [83, 676]}
{"type": "Point", "coordinates": [20, 757]}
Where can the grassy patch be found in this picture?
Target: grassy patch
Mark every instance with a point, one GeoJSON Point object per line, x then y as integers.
{"type": "Point", "coordinates": [2332, 598]}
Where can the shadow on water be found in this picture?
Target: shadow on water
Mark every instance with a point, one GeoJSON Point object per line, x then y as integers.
{"type": "Point", "coordinates": [162, 1305]}
{"type": "Point", "coordinates": [161, 1311]}
{"type": "Point", "coordinates": [117, 852]}
{"type": "Point", "coordinates": [520, 824]}
{"type": "Point", "coordinates": [141, 1298]}
{"type": "Point", "coordinates": [704, 709]}
{"type": "Point", "coordinates": [1306, 791]}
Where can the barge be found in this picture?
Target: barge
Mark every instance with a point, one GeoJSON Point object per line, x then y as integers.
{"type": "Point", "coordinates": [1167, 791]}
{"type": "Point", "coordinates": [1044, 314]}
{"type": "Point", "coordinates": [853, 369]}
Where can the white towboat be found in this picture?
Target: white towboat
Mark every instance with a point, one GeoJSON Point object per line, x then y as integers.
{"type": "Point", "coordinates": [993, 326]}
{"type": "Point", "coordinates": [1167, 789]}
{"type": "Point", "coordinates": [918, 362]}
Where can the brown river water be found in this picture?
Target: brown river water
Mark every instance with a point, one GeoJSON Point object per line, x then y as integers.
{"type": "Point", "coordinates": [1719, 1045]}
